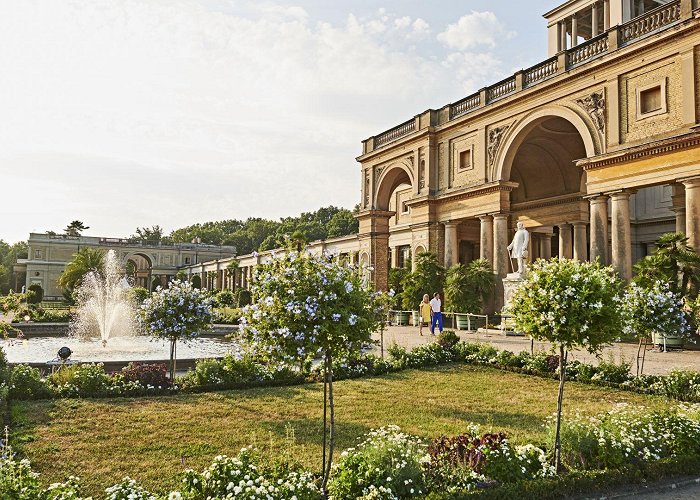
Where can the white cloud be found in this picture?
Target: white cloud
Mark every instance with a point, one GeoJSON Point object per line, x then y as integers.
{"type": "Point", "coordinates": [476, 28]}
{"type": "Point", "coordinates": [124, 113]}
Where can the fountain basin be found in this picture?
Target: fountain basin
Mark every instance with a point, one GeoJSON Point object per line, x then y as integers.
{"type": "Point", "coordinates": [37, 351]}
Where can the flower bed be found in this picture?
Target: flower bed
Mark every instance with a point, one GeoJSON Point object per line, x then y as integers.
{"type": "Point", "coordinates": [390, 464]}
{"type": "Point", "coordinates": [246, 371]}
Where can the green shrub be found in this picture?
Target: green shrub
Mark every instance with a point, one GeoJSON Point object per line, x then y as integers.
{"type": "Point", "coordinates": [36, 295]}
{"type": "Point", "coordinates": [87, 380]}
{"type": "Point", "coordinates": [139, 294]}
{"type": "Point", "coordinates": [608, 371]}
{"type": "Point", "coordinates": [242, 297]}
{"type": "Point", "coordinates": [225, 298]}
{"type": "Point", "coordinates": [388, 464]}
{"type": "Point", "coordinates": [447, 339]}
{"type": "Point", "coordinates": [26, 383]}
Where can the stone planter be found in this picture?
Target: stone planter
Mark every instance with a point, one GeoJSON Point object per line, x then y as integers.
{"type": "Point", "coordinates": [416, 318]}
{"type": "Point", "coordinates": [463, 322]}
{"type": "Point", "coordinates": [401, 318]}
{"type": "Point", "coordinates": [668, 341]}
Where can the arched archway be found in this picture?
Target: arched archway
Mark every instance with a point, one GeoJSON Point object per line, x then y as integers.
{"type": "Point", "coordinates": [139, 267]}
{"type": "Point", "coordinates": [539, 155]}
{"type": "Point", "coordinates": [394, 177]}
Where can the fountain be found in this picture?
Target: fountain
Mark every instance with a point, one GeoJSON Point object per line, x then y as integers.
{"type": "Point", "coordinates": [105, 309]}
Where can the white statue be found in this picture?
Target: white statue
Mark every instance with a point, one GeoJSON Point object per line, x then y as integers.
{"type": "Point", "coordinates": [518, 247]}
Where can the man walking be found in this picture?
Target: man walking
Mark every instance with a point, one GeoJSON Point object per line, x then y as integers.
{"type": "Point", "coordinates": [435, 306]}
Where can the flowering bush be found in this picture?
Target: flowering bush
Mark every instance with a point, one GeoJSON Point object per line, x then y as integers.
{"type": "Point", "coordinates": [179, 312]}
{"type": "Point", "coordinates": [654, 309]}
{"type": "Point", "coordinates": [387, 465]}
{"type": "Point", "coordinates": [243, 477]}
{"type": "Point", "coordinates": [128, 489]}
{"type": "Point", "coordinates": [147, 374]}
{"type": "Point", "coordinates": [571, 304]}
{"type": "Point", "coordinates": [630, 435]}
{"type": "Point", "coordinates": [464, 462]}
{"type": "Point", "coordinates": [26, 383]}
{"type": "Point", "coordinates": [305, 306]}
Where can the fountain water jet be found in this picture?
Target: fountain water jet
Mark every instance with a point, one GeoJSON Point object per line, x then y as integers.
{"type": "Point", "coordinates": [105, 309]}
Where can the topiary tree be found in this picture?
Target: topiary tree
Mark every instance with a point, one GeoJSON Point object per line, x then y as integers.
{"type": "Point", "coordinates": [224, 298]}
{"type": "Point", "coordinates": [306, 306]}
{"type": "Point", "coordinates": [468, 287]}
{"type": "Point", "coordinates": [37, 294]}
{"type": "Point", "coordinates": [427, 278]}
{"type": "Point", "coordinates": [646, 310]}
{"type": "Point", "coordinates": [572, 305]}
{"type": "Point", "coordinates": [179, 312]}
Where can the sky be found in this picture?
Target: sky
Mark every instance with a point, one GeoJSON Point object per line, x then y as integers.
{"type": "Point", "coordinates": [126, 114]}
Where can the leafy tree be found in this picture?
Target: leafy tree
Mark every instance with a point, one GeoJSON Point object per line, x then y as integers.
{"type": "Point", "coordinates": [572, 305]}
{"type": "Point", "coordinates": [673, 262]}
{"type": "Point", "coordinates": [305, 306]}
{"type": "Point", "coordinates": [139, 294]}
{"type": "Point", "coordinates": [8, 258]}
{"type": "Point", "coordinates": [84, 261]}
{"type": "Point", "coordinates": [342, 223]}
{"type": "Point", "coordinates": [75, 228]}
{"type": "Point", "coordinates": [179, 312]}
{"type": "Point", "coordinates": [468, 287]}
{"type": "Point", "coordinates": [152, 234]}
{"type": "Point", "coordinates": [397, 275]}
{"type": "Point", "coordinates": [427, 278]}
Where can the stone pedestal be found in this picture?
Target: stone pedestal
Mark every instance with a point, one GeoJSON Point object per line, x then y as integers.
{"type": "Point", "coordinates": [510, 284]}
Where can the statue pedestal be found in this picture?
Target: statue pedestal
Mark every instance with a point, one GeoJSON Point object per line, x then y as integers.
{"type": "Point", "coordinates": [510, 284]}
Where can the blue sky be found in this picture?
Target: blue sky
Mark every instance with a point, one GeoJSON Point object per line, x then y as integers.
{"type": "Point", "coordinates": [125, 113]}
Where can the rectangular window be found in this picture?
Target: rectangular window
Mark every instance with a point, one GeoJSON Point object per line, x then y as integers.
{"type": "Point", "coordinates": [651, 100]}
{"type": "Point", "coordinates": [465, 159]}
{"type": "Point", "coordinates": [38, 254]}
{"type": "Point", "coordinates": [187, 260]}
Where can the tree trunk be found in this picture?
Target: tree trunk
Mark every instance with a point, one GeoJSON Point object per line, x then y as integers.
{"type": "Point", "coordinates": [325, 414]}
{"type": "Point", "coordinates": [172, 361]}
{"type": "Point", "coordinates": [557, 436]}
{"type": "Point", "coordinates": [331, 430]}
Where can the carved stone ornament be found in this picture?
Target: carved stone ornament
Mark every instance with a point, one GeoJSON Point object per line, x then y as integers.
{"type": "Point", "coordinates": [594, 105]}
{"type": "Point", "coordinates": [494, 141]}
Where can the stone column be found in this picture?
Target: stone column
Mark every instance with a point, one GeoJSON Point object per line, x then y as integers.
{"type": "Point", "coordinates": [621, 234]}
{"type": "Point", "coordinates": [692, 212]}
{"type": "Point", "coordinates": [565, 246]}
{"type": "Point", "coordinates": [574, 31]}
{"type": "Point", "coordinates": [606, 15]}
{"type": "Point", "coordinates": [562, 35]}
{"type": "Point", "coordinates": [545, 246]}
{"type": "Point", "coordinates": [599, 228]}
{"type": "Point", "coordinates": [394, 257]}
{"type": "Point", "coordinates": [203, 278]}
{"type": "Point", "coordinates": [451, 244]}
{"type": "Point", "coordinates": [580, 241]}
{"type": "Point", "coordinates": [594, 19]}
{"type": "Point", "coordinates": [501, 266]}
{"type": "Point", "coordinates": [678, 206]}
{"type": "Point", "coordinates": [486, 240]}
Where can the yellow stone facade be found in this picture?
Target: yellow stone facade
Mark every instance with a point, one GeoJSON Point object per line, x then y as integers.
{"type": "Point", "coordinates": [595, 149]}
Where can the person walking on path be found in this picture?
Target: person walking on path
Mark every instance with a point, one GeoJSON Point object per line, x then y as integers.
{"type": "Point", "coordinates": [424, 313]}
{"type": "Point", "coordinates": [435, 306]}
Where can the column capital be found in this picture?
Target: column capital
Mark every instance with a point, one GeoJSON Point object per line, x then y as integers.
{"type": "Point", "coordinates": [500, 216]}
{"type": "Point", "coordinates": [579, 223]}
{"type": "Point", "coordinates": [451, 223]}
{"type": "Point", "coordinates": [691, 182]}
{"type": "Point", "coordinates": [622, 194]}
{"type": "Point", "coordinates": [485, 217]}
{"type": "Point", "coordinates": [597, 198]}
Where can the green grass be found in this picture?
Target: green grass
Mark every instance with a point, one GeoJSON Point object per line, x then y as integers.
{"type": "Point", "coordinates": [149, 438]}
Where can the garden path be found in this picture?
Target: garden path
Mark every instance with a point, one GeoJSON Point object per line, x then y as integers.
{"type": "Point", "coordinates": [656, 363]}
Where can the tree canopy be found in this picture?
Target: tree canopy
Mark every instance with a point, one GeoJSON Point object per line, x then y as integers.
{"type": "Point", "coordinates": [260, 234]}
{"type": "Point", "coordinates": [8, 258]}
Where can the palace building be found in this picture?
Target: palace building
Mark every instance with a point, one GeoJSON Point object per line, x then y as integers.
{"type": "Point", "coordinates": [595, 149]}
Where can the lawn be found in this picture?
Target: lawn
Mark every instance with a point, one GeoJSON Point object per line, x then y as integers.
{"type": "Point", "coordinates": [150, 439]}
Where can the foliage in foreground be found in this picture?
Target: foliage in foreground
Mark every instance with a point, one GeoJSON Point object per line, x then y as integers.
{"type": "Point", "coordinates": [390, 464]}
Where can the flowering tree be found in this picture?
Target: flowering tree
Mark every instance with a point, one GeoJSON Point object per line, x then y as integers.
{"type": "Point", "coordinates": [306, 306]}
{"type": "Point", "coordinates": [179, 312]}
{"type": "Point", "coordinates": [657, 308]}
{"type": "Point", "coordinates": [572, 305]}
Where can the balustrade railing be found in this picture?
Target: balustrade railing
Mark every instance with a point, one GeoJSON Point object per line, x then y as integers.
{"type": "Point", "coordinates": [395, 133]}
{"type": "Point", "coordinates": [540, 72]}
{"type": "Point", "coordinates": [465, 105]}
{"type": "Point", "coordinates": [650, 22]}
{"type": "Point", "coordinates": [501, 89]}
{"type": "Point", "coordinates": [587, 50]}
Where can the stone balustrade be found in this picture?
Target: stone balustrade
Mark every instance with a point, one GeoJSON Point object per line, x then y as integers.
{"type": "Point", "coordinates": [590, 49]}
{"type": "Point", "coordinates": [500, 90]}
{"type": "Point", "coordinates": [540, 72]}
{"type": "Point", "coordinates": [466, 105]}
{"type": "Point", "coordinates": [395, 133]}
{"type": "Point", "coordinates": [652, 21]}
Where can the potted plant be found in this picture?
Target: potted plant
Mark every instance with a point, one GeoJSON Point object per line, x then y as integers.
{"type": "Point", "coordinates": [396, 277]}
{"type": "Point", "coordinates": [467, 287]}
